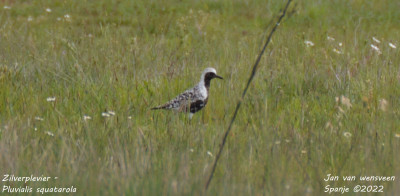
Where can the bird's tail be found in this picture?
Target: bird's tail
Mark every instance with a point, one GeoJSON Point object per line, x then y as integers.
{"type": "Point", "coordinates": [164, 106]}
{"type": "Point", "coordinates": [159, 107]}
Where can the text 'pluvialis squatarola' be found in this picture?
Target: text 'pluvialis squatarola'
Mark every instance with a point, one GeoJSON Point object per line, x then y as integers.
{"type": "Point", "coordinates": [194, 99]}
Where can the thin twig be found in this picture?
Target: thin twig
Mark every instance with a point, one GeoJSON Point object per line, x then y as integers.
{"type": "Point", "coordinates": [244, 93]}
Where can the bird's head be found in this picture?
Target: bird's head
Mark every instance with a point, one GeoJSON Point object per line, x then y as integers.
{"type": "Point", "coordinates": [209, 74]}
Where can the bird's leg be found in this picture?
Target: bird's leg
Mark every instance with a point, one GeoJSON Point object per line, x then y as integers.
{"type": "Point", "coordinates": [189, 119]}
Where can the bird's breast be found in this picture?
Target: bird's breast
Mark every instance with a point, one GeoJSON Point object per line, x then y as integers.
{"type": "Point", "coordinates": [203, 92]}
{"type": "Point", "coordinates": [197, 105]}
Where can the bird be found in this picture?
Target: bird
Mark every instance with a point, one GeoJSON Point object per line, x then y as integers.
{"type": "Point", "coordinates": [194, 99]}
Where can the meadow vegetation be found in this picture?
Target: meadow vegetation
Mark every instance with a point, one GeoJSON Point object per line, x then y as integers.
{"type": "Point", "coordinates": [327, 106]}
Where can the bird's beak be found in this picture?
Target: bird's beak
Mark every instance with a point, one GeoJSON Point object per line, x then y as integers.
{"type": "Point", "coordinates": [217, 76]}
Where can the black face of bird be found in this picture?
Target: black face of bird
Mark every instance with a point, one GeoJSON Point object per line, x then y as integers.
{"type": "Point", "coordinates": [211, 75]}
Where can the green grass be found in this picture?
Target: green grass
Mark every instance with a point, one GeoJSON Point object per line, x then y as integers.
{"type": "Point", "coordinates": [128, 56]}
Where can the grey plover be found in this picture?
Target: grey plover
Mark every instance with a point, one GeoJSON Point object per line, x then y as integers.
{"type": "Point", "coordinates": [194, 99]}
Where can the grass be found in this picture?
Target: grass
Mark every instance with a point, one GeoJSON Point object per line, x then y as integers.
{"type": "Point", "coordinates": [128, 56]}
